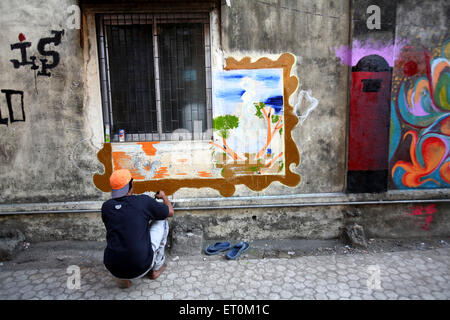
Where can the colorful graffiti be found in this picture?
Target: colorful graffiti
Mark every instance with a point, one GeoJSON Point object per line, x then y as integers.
{"type": "Point", "coordinates": [419, 146]}
{"type": "Point", "coordinates": [418, 155]}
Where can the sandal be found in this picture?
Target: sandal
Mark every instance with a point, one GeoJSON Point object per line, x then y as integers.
{"type": "Point", "coordinates": [217, 248]}
{"type": "Point", "coordinates": [237, 250]}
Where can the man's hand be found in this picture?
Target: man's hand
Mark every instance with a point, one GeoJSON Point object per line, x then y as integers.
{"type": "Point", "coordinates": [161, 195]}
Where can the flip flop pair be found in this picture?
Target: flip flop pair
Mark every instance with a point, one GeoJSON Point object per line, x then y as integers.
{"type": "Point", "coordinates": [234, 252]}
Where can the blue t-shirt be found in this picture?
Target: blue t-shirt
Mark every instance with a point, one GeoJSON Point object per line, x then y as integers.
{"type": "Point", "coordinates": [129, 253]}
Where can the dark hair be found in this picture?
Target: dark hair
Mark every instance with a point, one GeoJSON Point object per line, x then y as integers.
{"type": "Point", "coordinates": [130, 184]}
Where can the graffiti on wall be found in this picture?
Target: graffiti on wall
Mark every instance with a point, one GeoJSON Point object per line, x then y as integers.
{"type": "Point", "coordinates": [236, 156]}
{"type": "Point", "coordinates": [16, 111]}
{"type": "Point", "coordinates": [418, 141]}
{"type": "Point", "coordinates": [420, 118]}
{"type": "Point", "coordinates": [15, 107]}
{"type": "Point", "coordinates": [248, 122]}
{"type": "Point", "coordinates": [426, 213]}
{"type": "Point", "coordinates": [369, 125]}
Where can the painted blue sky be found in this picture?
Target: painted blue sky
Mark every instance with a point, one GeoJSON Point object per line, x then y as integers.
{"type": "Point", "coordinates": [233, 87]}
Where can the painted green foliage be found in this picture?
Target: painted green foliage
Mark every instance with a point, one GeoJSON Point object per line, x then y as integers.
{"type": "Point", "coordinates": [274, 118]}
{"type": "Point", "coordinates": [259, 107]}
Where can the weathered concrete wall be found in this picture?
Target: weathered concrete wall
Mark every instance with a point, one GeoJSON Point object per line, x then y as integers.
{"type": "Point", "coordinates": [402, 220]}
{"type": "Point", "coordinates": [50, 227]}
{"type": "Point", "coordinates": [417, 220]}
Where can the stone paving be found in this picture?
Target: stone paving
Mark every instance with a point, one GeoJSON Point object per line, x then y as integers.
{"type": "Point", "coordinates": [393, 275]}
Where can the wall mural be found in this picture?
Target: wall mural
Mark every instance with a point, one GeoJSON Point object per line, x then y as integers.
{"type": "Point", "coordinates": [252, 144]}
{"type": "Point", "coordinates": [165, 160]}
{"type": "Point", "coordinates": [420, 118]}
{"type": "Point", "coordinates": [311, 104]}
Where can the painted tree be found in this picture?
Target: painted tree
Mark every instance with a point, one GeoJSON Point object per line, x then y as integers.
{"type": "Point", "coordinates": [277, 121]}
{"type": "Point", "coordinates": [222, 125]}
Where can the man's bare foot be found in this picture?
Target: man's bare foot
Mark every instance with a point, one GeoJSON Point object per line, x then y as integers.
{"type": "Point", "coordinates": [123, 284]}
{"type": "Point", "coordinates": [153, 274]}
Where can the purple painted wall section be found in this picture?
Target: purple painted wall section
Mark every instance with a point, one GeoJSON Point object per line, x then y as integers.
{"type": "Point", "coordinates": [351, 56]}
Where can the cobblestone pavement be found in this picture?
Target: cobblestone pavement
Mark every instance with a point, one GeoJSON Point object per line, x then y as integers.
{"type": "Point", "coordinates": [394, 275]}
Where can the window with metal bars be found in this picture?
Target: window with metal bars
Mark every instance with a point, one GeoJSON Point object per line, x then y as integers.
{"type": "Point", "coordinates": [155, 72]}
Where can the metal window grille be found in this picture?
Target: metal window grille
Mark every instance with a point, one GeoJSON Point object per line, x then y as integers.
{"type": "Point", "coordinates": [155, 72]}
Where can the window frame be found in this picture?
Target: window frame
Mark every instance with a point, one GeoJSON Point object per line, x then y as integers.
{"type": "Point", "coordinates": [125, 18]}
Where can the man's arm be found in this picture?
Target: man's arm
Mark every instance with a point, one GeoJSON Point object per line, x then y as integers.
{"type": "Point", "coordinates": [162, 195]}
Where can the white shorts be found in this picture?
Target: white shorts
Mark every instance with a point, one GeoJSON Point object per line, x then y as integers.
{"type": "Point", "coordinates": [159, 229]}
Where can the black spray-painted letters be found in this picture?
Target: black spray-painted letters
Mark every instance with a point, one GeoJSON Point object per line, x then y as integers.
{"type": "Point", "coordinates": [55, 55]}
{"type": "Point", "coordinates": [23, 50]}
